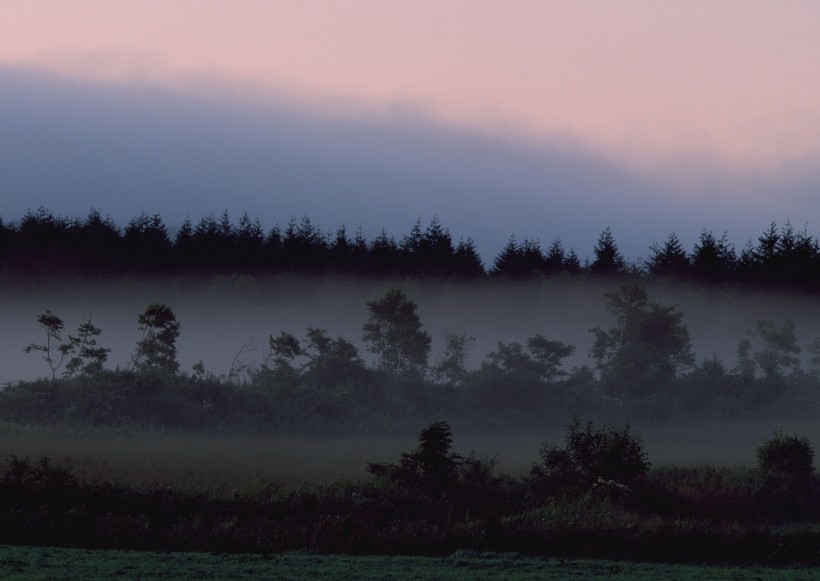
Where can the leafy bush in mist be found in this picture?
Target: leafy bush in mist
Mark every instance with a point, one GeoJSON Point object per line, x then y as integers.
{"type": "Point", "coordinates": [591, 456]}
{"type": "Point", "coordinates": [782, 454]}
{"type": "Point", "coordinates": [788, 483]}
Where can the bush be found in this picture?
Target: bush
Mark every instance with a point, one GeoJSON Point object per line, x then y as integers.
{"type": "Point", "coordinates": [786, 455]}
{"type": "Point", "coordinates": [787, 486]}
{"type": "Point", "coordinates": [591, 456]}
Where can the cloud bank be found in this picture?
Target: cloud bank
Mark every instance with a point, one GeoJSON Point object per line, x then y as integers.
{"type": "Point", "coordinates": [70, 145]}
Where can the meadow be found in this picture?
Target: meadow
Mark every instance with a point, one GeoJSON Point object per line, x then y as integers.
{"type": "Point", "coordinates": [317, 449]}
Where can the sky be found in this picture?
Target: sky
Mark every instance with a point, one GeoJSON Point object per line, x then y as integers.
{"type": "Point", "coordinates": [536, 118]}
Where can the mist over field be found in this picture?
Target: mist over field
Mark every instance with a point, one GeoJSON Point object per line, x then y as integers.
{"type": "Point", "coordinates": [227, 317]}
{"type": "Point", "coordinates": [226, 320]}
{"type": "Point", "coordinates": [166, 449]}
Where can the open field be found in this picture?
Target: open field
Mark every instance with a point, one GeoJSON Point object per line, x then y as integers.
{"type": "Point", "coordinates": [31, 564]}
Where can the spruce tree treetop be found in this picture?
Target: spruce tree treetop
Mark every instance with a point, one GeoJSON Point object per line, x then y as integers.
{"type": "Point", "coordinates": [608, 259]}
{"type": "Point", "coordinates": [670, 259]}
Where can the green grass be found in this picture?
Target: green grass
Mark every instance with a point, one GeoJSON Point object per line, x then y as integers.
{"type": "Point", "coordinates": [32, 564]}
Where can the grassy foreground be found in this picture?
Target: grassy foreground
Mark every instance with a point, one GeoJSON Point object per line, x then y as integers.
{"type": "Point", "coordinates": [31, 564]}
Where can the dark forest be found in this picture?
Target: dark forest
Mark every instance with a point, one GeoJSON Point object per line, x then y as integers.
{"type": "Point", "coordinates": [45, 244]}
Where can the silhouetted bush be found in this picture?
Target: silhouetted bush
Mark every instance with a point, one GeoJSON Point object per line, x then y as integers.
{"type": "Point", "coordinates": [788, 455]}
{"type": "Point", "coordinates": [608, 458]}
{"type": "Point", "coordinates": [788, 487]}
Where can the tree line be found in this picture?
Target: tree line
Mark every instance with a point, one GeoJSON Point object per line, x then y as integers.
{"type": "Point", "coordinates": [642, 367]}
{"type": "Point", "coordinates": [42, 243]}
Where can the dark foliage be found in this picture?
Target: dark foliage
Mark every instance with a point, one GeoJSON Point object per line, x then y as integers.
{"type": "Point", "coordinates": [156, 351]}
{"type": "Point", "coordinates": [607, 457]}
{"type": "Point", "coordinates": [432, 468]}
{"type": "Point", "coordinates": [394, 333]}
{"type": "Point", "coordinates": [642, 355]}
{"type": "Point", "coordinates": [432, 502]}
{"type": "Point", "coordinates": [790, 455]}
{"type": "Point", "coordinates": [788, 484]}
{"type": "Point", "coordinates": [43, 244]}
{"type": "Point", "coordinates": [669, 260]}
{"type": "Point", "coordinates": [608, 259]}
{"type": "Point", "coordinates": [322, 384]}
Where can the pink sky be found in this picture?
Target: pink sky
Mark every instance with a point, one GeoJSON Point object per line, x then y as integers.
{"type": "Point", "coordinates": [736, 81]}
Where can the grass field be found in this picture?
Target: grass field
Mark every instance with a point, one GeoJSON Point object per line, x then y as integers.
{"type": "Point", "coordinates": [32, 564]}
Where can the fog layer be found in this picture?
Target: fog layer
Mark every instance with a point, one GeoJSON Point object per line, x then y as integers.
{"type": "Point", "coordinates": [227, 320]}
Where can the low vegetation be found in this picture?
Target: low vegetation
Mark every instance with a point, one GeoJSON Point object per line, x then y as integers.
{"type": "Point", "coordinates": [595, 497]}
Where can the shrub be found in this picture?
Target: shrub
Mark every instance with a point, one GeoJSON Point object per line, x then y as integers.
{"type": "Point", "coordinates": [787, 455]}
{"type": "Point", "coordinates": [591, 456]}
{"type": "Point", "coordinates": [787, 487]}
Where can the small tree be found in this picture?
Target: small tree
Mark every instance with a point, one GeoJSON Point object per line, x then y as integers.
{"type": "Point", "coordinates": [646, 348]}
{"type": "Point", "coordinates": [55, 349]}
{"type": "Point", "coordinates": [90, 357]}
{"type": "Point", "coordinates": [549, 355]}
{"type": "Point", "coordinates": [431, 468]}
{"type": "Point", "coordinates": [608, 259]}
{"type": "Point", "coordinates": [156, 351]}
{"type": "Point", "coordinates": [670, 259]}
{"type": "Point", "coordinates": [713, 259]}
{"type": "Point", "coordinates": [279, 361]}
{"type": "Point", "coordinates": [331, 362]}
{"type": "Point", "coordinates": [541, 361]}
{"type": "Point", "coordinates": [451, 365]}
{"type": "Point", "coordinates": [395, 335]}
{"type": "Point", "coordinates": [284, 349]}
{"type": "Point", "coordinates": [778, 349]}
